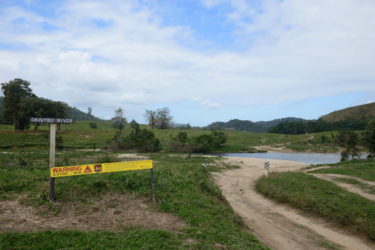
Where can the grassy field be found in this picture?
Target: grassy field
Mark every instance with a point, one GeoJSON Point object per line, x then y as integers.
{"type": "Point", "coordinates": [321, 198]}
{"type": "Point", "coordinates": [184, 189]}
{"type": "Point", "coordinates": [80, 135]}
{"type": "Point", "coordinates": [364, 169]}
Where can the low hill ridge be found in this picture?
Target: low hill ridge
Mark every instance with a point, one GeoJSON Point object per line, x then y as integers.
{"type": "Point", "coordinates": [246, 125]}
{"type": "Point", "coordinates": [360, 112]}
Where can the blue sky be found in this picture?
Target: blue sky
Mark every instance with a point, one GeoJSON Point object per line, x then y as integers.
{"type": "Point", "coordinates": [207, 60]}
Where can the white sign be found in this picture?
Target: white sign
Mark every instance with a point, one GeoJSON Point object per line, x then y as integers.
{"type": "Point", "coordinates": [51, 120]}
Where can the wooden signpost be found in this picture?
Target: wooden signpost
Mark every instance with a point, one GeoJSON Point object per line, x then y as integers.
{"type": "Point", "coordinates": [52, 146]}
{"type": "Point", "coordinates": [87, 169]}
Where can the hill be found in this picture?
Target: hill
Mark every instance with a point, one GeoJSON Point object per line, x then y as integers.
{"type": "Point", "coordinates": [361, 112]}
{"type": "Point", "coordinates": [72, 112]}
{"type": "Point", "coordinates": [238, 125]}
{"type": "Point", "coordinates": [78, 115]}
{"type": "Point", "coordinates": [268, 124]}
{"type": "Point", "coordinates": [245, 125]}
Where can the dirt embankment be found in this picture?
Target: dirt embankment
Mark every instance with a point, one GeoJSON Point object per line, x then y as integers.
{"type": "Point", "coordinates": [276, 225]}
{"type": "Point", "coordinates": [111, 213]}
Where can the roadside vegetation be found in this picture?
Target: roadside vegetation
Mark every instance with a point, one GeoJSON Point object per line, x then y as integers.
{"type": "Point", "coordinates": [184, 189]}
{"type": "Point", "coordinates": [364, 186]}
{"type": "Point", "coordinates": [321, 198]}
{"type": "Point", "coordinates": [364, 169]}
{"type": "Point", "coordinates": [82, 134]}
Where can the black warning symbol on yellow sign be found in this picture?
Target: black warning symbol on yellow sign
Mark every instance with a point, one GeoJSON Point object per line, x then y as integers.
{"type": "Point", "coordinates": [88, 170]}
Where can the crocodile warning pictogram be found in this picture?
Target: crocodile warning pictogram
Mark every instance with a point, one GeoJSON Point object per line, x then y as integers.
{"type": "Point", "coordinates": [98, 168]}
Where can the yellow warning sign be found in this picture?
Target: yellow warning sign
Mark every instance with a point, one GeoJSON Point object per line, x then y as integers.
{"type": "Point", "coordinates": [100, 168]}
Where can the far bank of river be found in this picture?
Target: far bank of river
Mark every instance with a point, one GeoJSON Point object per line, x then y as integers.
{"type": "Point", "coordinates": [308, 158]}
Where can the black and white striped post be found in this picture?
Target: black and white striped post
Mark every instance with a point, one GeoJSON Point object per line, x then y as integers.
{"type": "Point", "coordinates": [267, 167]}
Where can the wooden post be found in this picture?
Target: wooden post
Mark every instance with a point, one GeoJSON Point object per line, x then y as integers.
{"type": "Point", "coordinates": [52, 149]}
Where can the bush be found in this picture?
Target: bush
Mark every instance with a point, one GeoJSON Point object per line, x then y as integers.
{"type": "Point", "coordinates": [141, 140]}
{"type": "Point", "coordinates": [208, 142]}
{"type": "Point", "coordinates": [197, 144]}
{"type": "Point", "coordinates": [349, 141]}
{"type": "Point", "coordinates": [93, 125]}
{"type": "Point", "coordinates": [180, 143]}
{"type": "Point", "coordinates": [59, 142]}
{"type": "Point", "coordinates": [368, 137]}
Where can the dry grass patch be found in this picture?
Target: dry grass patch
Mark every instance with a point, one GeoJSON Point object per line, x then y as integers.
{"type": "Point", "coordinates": [113, 212]}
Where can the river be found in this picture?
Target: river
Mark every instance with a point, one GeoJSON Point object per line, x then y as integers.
{"type": "Point", "coordinates": [308, 158]}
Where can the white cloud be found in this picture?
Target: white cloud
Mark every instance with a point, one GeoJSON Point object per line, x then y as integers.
{"type": "Point", "coordinates": [206, 103]}
{"type": "Point", "coordinates": [294, 50]}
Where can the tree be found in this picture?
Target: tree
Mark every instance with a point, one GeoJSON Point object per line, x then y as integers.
{"type": "Point", "coordinates": [161, 118]}
{"type": "Point", "coordinates": [89, 113]}
{"type": "Point", "coordinates": [14, 92]}
{"type": "Point", "coordinates": [368, 137]}
{"type": "Point", "coordinates": [40, 107]}
{"type": "Point", "coordinates": [119, 120]}
{"type": "Point", "coordinates": [349, 141]}
{"type": "Point", "coordinates": [150, 116]}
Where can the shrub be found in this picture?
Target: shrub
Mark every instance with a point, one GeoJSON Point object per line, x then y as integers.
{"type": "Point", "coordinates": [93, 125]}
{"type": "Point", "coordinates": [208, 142]}
{"type": "Point", "coordinates": [59, 142]}
{"type": "Point", "coordinates": [349, 141]}
{"type": "Point", "coordinates": [180, 143]}
{"type": "Point", "coordinates": [198, 144]}
{"type": "Point", "coordinates": [138, 139]}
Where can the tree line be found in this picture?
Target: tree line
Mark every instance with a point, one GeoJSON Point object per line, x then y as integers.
{"type": "Point", "coordinates": [350, 141]}
{"type": "Point", "coordinates": [347, 138]}
{"type": "Point", "coordinates": [303, 127]}
{"type": "Point", "coordinates": [20, 104]}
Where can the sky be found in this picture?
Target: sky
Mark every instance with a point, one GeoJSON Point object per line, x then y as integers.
{"type": "Point", "coordinates": [206, 60]}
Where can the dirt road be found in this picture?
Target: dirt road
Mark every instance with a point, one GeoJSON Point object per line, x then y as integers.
{"type": "Point", "coordinates": [279, 226]}
{"type": "Point", "coordinates": [347, 186]}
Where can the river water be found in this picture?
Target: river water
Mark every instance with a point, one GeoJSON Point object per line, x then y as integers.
{"type": "Point", "coordinates": [308, 158]}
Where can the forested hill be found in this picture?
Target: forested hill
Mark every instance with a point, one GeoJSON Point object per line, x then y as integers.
{"type": "Point", "coordinates": [361, 112]}
{"type": "Point", "coordinates": [72, 112]}
{"type": "Point", "coordinates": [353, 118]}
{"type": "Point", "coordinates": [245, 125]}
{"type": "Point", "coordinates": [78, 115]}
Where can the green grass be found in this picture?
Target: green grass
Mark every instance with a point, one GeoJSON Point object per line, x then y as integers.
{"type": "Point", "coordinates": [129, 239]}
{"type": "Point", "coordinates": [321, 198]}
{"type": "Point", "coordinates": [364, 186]}
{"type": "Point", "coordinates": [183, 187]}
{"type": "Point", "coordinates": [80, 135]}
{"type": "Point", "coordinates": [364, 169]}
